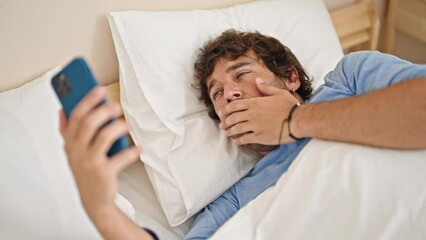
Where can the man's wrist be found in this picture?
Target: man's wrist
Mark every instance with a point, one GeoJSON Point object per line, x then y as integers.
{"type": "Point", "coordinates": [100, 214]}
{"type": "Point", "coordinates": [112, 223]}
{"type": "Point", "coordinates": [289, 118]}
{"type": "Point", "coordinates": [297, 120]}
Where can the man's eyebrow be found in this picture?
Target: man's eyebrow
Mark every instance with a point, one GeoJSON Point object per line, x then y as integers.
{"type": "Point", "coordinates": [236, 66]}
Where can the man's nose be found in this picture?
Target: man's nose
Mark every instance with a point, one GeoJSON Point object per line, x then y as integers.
{"type": "Point", "coordinates": [234, 94]}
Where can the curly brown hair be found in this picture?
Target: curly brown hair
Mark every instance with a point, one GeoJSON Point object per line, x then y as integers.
{"type": "Point", "coordinates": [233, 44]}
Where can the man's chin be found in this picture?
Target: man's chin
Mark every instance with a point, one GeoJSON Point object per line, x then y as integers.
{"type": "Point", "coordinates": [259, 148]}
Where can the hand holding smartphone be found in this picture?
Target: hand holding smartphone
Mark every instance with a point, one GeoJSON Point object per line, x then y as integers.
{"type": "Point", "coordinates": [71, 85]}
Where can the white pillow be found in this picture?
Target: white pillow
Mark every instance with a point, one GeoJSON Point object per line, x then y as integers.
{"type": "Point", "coordinates": [39, 199]}
{"type": "Point", "coordinates": [189, 160]}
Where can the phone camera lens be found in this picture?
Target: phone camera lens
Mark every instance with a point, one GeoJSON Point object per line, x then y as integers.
{"type": "Point", "coordinates": [62, 85]}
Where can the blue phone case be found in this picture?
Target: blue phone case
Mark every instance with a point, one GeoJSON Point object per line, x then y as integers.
{"type": "Point", "coordinates": [72, 84]}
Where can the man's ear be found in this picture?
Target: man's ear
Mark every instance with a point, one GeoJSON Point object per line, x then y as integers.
{"type": "Point", "coordinates": [293, 82]}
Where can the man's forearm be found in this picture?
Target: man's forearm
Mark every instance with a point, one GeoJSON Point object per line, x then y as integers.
{"type": "Point", "coordinates": [392, 117]}
{"type": "Point", "coordinates": [113, 224]}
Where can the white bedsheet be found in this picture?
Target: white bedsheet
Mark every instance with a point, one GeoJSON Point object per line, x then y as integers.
{"type": "Point", "coordinates": [135, 186]}
{"type": "Point", "coordinates": [340, 191]}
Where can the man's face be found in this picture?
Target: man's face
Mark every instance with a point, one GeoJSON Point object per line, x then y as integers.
{"type": "Point", "coordinates": [233, 80]}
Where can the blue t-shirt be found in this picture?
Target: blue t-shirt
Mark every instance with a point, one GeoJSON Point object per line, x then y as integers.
{"type": "Point", "coordinates": [356, 74]}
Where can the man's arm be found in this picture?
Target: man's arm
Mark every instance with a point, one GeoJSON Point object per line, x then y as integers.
{"type": "Point", "coordinates": [386, 105]}
{"type": "Point", "coordinates": [114, 224]}
{"type": "Point", "coordinates": [375, 114]}
{"type": "Point", "coordinates": [392, 117]}
{"type": "Point", "coordinates": [94, 172]}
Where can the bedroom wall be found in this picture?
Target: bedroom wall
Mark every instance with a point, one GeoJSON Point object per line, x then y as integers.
{"type": "Point", "coordinates": [39, 35]}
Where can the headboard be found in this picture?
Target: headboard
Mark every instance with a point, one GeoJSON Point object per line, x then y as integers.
{"type": "Point", "coordinates": [39, 35]}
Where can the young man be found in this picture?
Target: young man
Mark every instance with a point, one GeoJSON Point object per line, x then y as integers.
{"type": "Point", "coordinates": [254, 85]}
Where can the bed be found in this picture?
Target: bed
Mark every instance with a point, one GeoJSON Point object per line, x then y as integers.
{"type": "Point", "coordinates": [39, 199]}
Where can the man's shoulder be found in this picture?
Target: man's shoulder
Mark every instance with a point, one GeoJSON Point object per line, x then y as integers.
{"type": "Point", "coordinates": [368, 57]}
{"type": "Point", "coordinates": [364, 53]}
{"type": "Point", "coordinates": [361, 56]}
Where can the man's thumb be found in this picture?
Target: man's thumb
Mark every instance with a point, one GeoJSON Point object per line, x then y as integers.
{"type": "Point", "coordinates": [266, 88]}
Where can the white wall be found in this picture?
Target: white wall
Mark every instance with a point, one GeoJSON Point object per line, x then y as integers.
{"type": "Point", "coordinates": [36, 35]}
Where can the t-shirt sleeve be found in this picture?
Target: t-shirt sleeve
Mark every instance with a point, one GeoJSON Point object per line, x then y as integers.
{"type": "Point", "coordinates": [152, 233]}
{"type": "Point", "coordinates": [214, 216]}
{"type": "Point", "coordinates": [365, 71]}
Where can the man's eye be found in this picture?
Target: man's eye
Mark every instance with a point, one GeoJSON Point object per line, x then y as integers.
{"type": "Point", "coordinates": [241, 74]}
{"type": "Point", "coordinates": [217, 94]}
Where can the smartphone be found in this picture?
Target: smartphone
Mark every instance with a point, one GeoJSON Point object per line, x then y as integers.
{"type": "Point", "coordinates": [72, 84]}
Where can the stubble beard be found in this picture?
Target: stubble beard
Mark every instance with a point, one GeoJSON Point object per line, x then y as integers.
{"type": "Point", "coordinates": [259, 148]}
